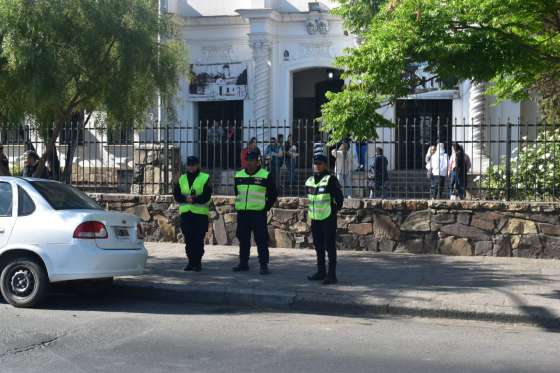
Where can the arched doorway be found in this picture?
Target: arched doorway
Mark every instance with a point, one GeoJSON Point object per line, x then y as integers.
{"type": "Point", "coordinates": [309, 88]}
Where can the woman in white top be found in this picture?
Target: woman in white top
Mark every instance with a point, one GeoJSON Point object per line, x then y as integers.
{"type": "Point", "coordinates": [438, 168]}
{"type": "Point", "coordinates": [343, 167]}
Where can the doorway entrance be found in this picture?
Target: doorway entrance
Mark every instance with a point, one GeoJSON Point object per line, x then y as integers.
{"type": "Point", "coordinates": [309, 94]}
{"type": "Point", "coordinates": [221, 131]}
{"type": "Point", "coordinates": [421, 123]}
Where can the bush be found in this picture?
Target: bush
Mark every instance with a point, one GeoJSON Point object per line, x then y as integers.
{"type": "Point", "coordinates": [535, 171]}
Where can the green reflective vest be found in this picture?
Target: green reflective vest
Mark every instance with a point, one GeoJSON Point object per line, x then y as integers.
{"type": "Point", "coordinates": [198, 188]}
{"type": "Point", "coordinates": [251, 190]}
{"type": "Point", "coordinates": [320, 201]}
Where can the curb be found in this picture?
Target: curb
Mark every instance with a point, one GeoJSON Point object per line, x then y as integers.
{"type": "Point", "coordinates": [316, 304]}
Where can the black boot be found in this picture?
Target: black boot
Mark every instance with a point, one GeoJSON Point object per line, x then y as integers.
{"type": "Point", "coordinates": [189, 267]}
{"type": "Point", "coordinates": [264, 269]}
{"type": "Point", "coordinates": [241, 268]}
{"type": "Point", "coordinates": [197, 267]}
{"type": "Point", "coordinates": [318, 276]}
{"type": "Point", "coordinates": [330, 280]}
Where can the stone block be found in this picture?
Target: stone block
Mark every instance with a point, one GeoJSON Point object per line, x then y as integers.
{"type": "Point", "coordinates": [347, 242]}
{"type": "Point", "coordinates": [520, 226]}
{"type": "Point", "coordinates": [455, 247]}
{"type": "Point", "coordinates": [386, 246]}
{"type": "Point", "coordinates": [220, 233]}
{"type": "Point", "coordinates": [443, 218]}
{"type": "Point", "coordinates": [225, 209]}
{"type": "Point", "coordinates": [526, 246]}
{"type": "Point", "coordinates": [361, 229]}
{"type": "Point", "coordinates": [368, 243]}
{"type": "Point", "coordinates": [549, 219]}
{"type": "Point", "coordinates": [168, 231]}
{"type": "Point", "coordinates": [284, 216]}
{"type": "Point", "coordinates": [418, 221]}
{"type": "Point", "coordinates": [550, 229]}
{"type": "Point", "coordinates": [501, 246]}
{"type": "Point", "coordinates": [551, 248]}
{"type": "Point", "coordinates": [300, 227]}
{"type": "Point", "coordinates": [483, 248]}
{"type": "Point", "coordinates": [479, 222]}
{"type": "Point", "coordinates": [413, 246]}
{"type": "Point", "coordinates": [230, 218]}
{"type": "Point", "coordinates": [141, 211]}
{"type": "Point", "coordinates": [384, 228]}
{"type": "Point", "coordinates": [464, 218]}
{"type": "Point", "coordinates": [283, 239]}
{"type": "Point", "coordinates": [353, 203]}
{"type": "Point", "coordinates": [431, 243]}
{"type": "Point", "coordinates": [465, 231]}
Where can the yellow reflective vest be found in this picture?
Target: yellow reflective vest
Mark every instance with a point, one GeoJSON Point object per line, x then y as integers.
{"type": "Point", "coordinates": [251, 190]}
{"type": "Point", "coordinates": [198, 188]}
{"type": "Point", "coordinates": [320, 201]}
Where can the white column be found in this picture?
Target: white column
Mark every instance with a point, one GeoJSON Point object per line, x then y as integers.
{"type": "Point", "coordinates": [261, 54]}
{"type": "Point", "coordinates": [479, 148]}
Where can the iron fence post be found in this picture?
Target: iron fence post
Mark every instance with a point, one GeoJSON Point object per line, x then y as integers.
{"type": "Point", "coordinates": [508, 161]}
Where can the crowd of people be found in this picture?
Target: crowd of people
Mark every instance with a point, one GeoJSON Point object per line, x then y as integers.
{"type": "Point", "coordinates": [440, 166]}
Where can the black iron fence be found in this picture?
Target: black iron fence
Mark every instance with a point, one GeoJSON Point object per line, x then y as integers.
{"type": "Point", "coordinates": [415, 159]}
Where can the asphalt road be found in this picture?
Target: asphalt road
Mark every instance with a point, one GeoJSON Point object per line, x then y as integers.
{"type": "Point", "coordinates": [123, 335]}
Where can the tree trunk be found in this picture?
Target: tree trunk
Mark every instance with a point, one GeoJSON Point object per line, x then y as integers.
{"type": "Point", "coordinates": [50, 150]}
{"type": "Point", "coordinates": [78, 124]}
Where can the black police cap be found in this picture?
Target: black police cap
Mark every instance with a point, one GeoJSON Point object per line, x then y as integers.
{"type": "Point", "coordinates": [320, 158]}
{"type": "Point", "coordinates": [192, 161]}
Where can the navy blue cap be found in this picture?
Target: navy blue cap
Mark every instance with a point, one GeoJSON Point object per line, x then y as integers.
{"type": "Point", "coordinates": [320, 158]}
{"type": "Point", "coordinates": [192, 161]}
{"type": "Point", "coordinates": [253, 156]}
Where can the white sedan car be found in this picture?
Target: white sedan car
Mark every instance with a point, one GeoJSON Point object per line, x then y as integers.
{"type": "Point", "coordinates": [52, 232]}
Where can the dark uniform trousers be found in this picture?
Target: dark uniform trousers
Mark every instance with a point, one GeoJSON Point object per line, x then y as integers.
{"type": "Point", "coordinates": [252, 221]}
{"type": "Point", "coordinates": [194, 228]}
{"type": "Point", "coordinates": [324, 240]}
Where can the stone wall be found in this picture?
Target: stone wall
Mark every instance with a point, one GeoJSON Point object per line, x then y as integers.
{"type": "Point", "coordinates": [421, 227]}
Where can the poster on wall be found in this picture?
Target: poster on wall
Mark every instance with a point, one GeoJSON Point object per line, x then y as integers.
{"type": "Point", "coordinates": [212, 82]}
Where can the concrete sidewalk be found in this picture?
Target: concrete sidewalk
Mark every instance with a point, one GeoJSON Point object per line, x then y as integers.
{"type": "Point", "coordinates": [479, 288]}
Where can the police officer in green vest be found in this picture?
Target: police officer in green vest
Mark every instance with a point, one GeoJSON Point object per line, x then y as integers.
{"type": "Point", "coordinates": [255, 194]}
{"type": "Point", "coordinates": [325, 199]}
{"type": "Point", "coordinates": [193, 193]}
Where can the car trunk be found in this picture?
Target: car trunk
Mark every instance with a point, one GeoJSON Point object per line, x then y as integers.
{"type": "Point", "coordinates": [121, 230]}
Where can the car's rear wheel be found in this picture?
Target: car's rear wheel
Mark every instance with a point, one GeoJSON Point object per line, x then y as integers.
{"type": "Point", "coordinates": [24, 282]}
{"type": "Point", "coordinates": [95, 288]}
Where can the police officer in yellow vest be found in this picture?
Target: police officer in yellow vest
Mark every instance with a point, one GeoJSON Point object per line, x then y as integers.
{"type": "Point", "coordinates": [193, 193]}
{"type": "Point", "coordinates": [255, 193]}
{"type": "Point", "coordinates": [325, 199]}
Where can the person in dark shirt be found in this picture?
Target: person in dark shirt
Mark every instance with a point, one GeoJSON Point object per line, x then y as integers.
{"type": "Point", "coordinates": [325, 200]}
{"type": "Point", "coordinates": [193, 193]}
{"type": "Point", "coordinates": [255, 191]}
{"type": "Point", "coordinates": [31, 160]}
{"type": "Point", "coordinates": [380, 173]}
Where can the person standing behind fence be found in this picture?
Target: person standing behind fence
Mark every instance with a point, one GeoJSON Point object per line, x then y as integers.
{"type": "Point", "coordinates": [255, 194]}
{"type": "Point", "coordinates": [31, 164]}
{"type": "Point", "coordinates": [343, 167]}
{"type": "Point", "coordinates": [4, 162]}
{"type": "Point", "coordinates": [193, 193]}
{"type": "Point", "coordinates": [380, 173]}
{"type": "Point", "coordinates": [459, 164]}
{"type": "Point", "coordinates": [325, 200]}
{"type": "Point", "coordinates": [290, 155]}
{"type": "Point", "coordinates": [252, 146]}
{"type": "Point", "coordinates": [438, 166]}
{"type": "Point", "coordinates": [274, 155]}
{"type": "Point", "coordinates": [361, 153]}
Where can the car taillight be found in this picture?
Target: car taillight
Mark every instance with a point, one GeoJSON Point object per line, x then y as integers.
{"type": "Point", "coordinates": [139, 232]}
{"type": "Point", "coordinates": [91, 230]}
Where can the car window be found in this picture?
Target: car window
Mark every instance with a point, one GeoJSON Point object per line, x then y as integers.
{"type": "Point", "coordinates": [6, 199]}
{"type": "Point", "coordinates": [25, 203]}
{"type": "Point", "coordinates": [64, 197]}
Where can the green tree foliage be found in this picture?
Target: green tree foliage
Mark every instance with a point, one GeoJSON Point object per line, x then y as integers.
{"type": "Point", "coordinates": [514, 44]}
{"type": "Point", "coordinates": [534, 171]}
{"type": "Point", "coordinates": [60, 57]}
